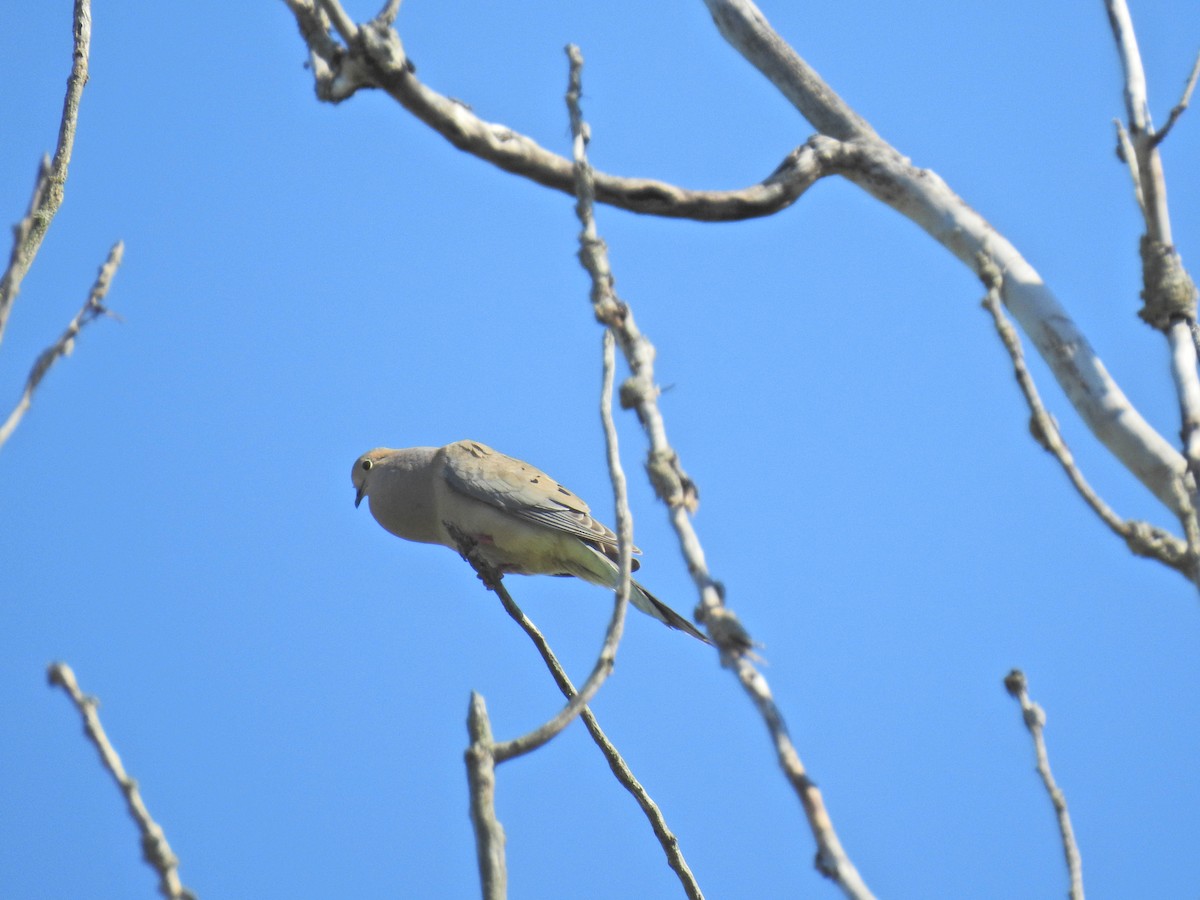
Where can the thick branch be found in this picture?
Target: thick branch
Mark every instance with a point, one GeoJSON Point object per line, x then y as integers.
{"type": "Point", "coordinates": [1035, 720]}
{"type": "Point", "coordinates": [52, 176]}
{"type": "Point", "coordinates": [376, 58]}
{"type": "Point", "coordinates": [93, 308]}
{"type": "Point", "coordinates": [923, 197]}
{"type": "Point", "coordinates": [155, 849]}
{"type": "Point", "coordinates": [744, 26]}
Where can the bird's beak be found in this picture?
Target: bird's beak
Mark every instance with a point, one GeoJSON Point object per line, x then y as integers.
{"type": "Point", "coordinates": [358, 498]}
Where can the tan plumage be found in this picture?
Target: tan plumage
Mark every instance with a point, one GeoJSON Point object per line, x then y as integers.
{"type": "Point", "coordinates": [524, 522]}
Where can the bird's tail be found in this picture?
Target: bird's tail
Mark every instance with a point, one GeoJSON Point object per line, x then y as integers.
{"type": "Point", "coordinates": [651, 605]}
{"type": "Point", "coordinates": [599, 569]}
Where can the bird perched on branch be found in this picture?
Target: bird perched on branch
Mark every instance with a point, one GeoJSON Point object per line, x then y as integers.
{"type": "Point", "coordinates": [522, 520]}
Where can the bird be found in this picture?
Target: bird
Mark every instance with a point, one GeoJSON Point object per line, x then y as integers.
{"type": "Point", "coordinates": [522, 521]}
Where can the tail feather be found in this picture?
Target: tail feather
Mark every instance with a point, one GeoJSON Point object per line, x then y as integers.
{"type": "Point", "coordinates": [597, 568]}
{"type": "Point", "coordinates": [651, 605]}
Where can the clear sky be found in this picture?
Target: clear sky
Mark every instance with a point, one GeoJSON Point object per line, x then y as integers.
{"type": "Point", "coordinates": [303, 282]}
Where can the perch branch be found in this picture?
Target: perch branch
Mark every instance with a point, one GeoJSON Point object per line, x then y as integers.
{"type": "Point", "coordinates": [680, 495]}
{"type": "Point", "coordinates": [93, 308]}
{"type": "Point", "coordinates": [616, 762]}
{"type": "Point", "coordinates": [155, 849]}
{"type": "Point", "coordinates": [550, 729]}
{"type": "Point", "coordinates": [1035, 720]}
{"type": "Point", "coordinates": [51, 180]}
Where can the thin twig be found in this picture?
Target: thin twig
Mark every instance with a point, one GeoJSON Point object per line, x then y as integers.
{"type": "Point", "coordinates": [92, 309]}
{"type": "Point", "coordinates": [1035, 720]}
{"type": "Point", "coordinates": [666, 838]}
{"type": "Point", "coordinates": [481, 780]}
{"type": "Point", "coordinates": [679, 493]}
{"type": "Point", "coordinates": [616, 474]}
{"type": "Point", "coordinates": [1141, 538]}
{"type": "Point", "coordinates": [52, 176]}
{"type": "Point", "coordinates": [1184, 101]}
{"type": "Point", "coordinates": [550, 729]}
{"type": "Point", "coordinates": [155, 849]}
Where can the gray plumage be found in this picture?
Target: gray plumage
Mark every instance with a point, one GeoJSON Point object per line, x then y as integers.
{"type": "Point", "coordinates": [524, 522]}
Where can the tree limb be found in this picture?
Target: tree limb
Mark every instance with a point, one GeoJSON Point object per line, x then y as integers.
{"type": "Point", "coordinates": [376, 58]}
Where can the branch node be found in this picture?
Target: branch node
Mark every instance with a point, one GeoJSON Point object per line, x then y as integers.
{"type": "Point", "coordinates": [1168, 292]}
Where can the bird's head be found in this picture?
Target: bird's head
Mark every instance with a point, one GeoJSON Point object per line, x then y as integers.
{"type": "Point", "coordinates": [360, 475]}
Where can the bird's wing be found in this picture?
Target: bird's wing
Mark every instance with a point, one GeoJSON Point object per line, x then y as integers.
{"type": "Point", "coordinates": [518, 488]}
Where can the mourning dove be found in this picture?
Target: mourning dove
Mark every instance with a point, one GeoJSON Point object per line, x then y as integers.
{"type": "Point", "coordinates": [523, 521]}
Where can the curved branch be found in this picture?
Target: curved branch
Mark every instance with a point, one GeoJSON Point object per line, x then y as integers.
{"type": "Point", "coordinates": [376, 58]}
{"type": "Point", "coordinates": [923, 197]}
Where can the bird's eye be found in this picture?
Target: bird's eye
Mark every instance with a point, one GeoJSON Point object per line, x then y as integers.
{"type": "Point", "coordinates": [366, 465]}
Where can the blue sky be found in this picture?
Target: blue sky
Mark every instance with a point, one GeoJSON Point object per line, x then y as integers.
{"type": "Point", "coordinates": [303, 282]}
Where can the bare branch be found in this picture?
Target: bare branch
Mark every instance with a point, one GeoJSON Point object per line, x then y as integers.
{"type": "Point", "coordinates": [52, 176]}
{"type": "Point", "coordinates": [1140, 537]}
{"type": "Point", "coordinates": [155, 849]}
{"type": "Point", "coordinates": [481, 779]}
{"type": "Point", "coordinates": [679, 493]}
{"type": "Point", "coordinates": [1184, 101]}
{"type": "Point", "coordinates": [1035, 721]}
{"type": "Point", "coordinates": [93, 308]}
{"type": "Point", "coordinates": [378, 59]}
{"type": "Point", "coordinates": [620, 769]}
